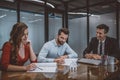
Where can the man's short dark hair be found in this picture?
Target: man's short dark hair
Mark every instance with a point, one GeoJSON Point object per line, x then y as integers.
{"type": "Point", "coordinates": [64, 30]}
{"type": "Point", "coordinates": [103, 26]}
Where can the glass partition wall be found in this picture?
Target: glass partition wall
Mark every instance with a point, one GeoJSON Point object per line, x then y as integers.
{"type": "Point", "coordinates": [77, 38]}
{"type": "Point", "coordinates": [7, 18]}
{"type": "Point", "coordinates": [35, 21]}
{"type": "Point", "coordinates": [55, 23]}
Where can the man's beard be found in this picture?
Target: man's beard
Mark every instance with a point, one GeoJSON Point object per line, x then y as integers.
{"type": "Point", "coordinates": [60, 42]}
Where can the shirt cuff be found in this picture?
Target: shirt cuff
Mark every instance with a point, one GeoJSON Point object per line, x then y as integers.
{"type": "Point", "coordinates": [50, 60]}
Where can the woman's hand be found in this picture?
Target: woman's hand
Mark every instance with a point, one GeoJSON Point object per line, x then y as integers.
{"type": "Point", "coordinates": [31, 66]}
{"type": "Point", "coordinates": [33, 57]}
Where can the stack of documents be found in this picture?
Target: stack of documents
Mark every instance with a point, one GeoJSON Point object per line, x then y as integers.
{"type": "Point", "coordinates": [89, 61]}
{"type": "Point", "coordinates": [45, 67]}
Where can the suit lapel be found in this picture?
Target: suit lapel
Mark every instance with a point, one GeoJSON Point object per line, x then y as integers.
{"type": "Point", "coordinates": [96, 45]}
{"type": "Point", "coordinates": [106, 47]}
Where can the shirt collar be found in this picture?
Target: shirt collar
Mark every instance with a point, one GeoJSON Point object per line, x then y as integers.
{"type": "Point", "coordinates": [55, 43]}
{"type": "Point", "coordinates": [102, 41]}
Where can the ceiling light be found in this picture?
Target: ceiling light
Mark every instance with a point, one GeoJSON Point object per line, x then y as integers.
{"type": "Point", "coordinates": [95, 15]}
{"type": "Point", "coordinates": [80, 13]}
{"type": "Point", "coordinates": [44, 2]}
{"type": "Point", "coordinates": [77, 13]}
{"type": "Point", "coordinates": [10, 0]}
{"type": "Point", "coordinates": [105, 6]}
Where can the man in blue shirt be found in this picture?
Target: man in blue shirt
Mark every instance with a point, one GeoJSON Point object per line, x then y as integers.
{"type": "Point", "coordinates": [57, 49]}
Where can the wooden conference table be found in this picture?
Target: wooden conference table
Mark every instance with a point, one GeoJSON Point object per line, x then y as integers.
{"type": "Point", "coordinates": [84, 72]}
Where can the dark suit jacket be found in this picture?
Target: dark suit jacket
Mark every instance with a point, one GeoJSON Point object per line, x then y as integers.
{"type": "Point", "coordinates": [111, 46]}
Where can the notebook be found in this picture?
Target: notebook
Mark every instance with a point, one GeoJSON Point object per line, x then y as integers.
{"type": "Point", "coordinates": [89, 61]}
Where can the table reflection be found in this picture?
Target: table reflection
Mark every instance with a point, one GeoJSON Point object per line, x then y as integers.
{"type": "Point", "coordinates": [83, 72]}
{"type": "Point", "coordinates": [101, 72]}
{"type": "Point", "coordinates": [17, 76]}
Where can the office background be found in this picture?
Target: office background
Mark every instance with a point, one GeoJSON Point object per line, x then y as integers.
{"type": "Point", "coordinates": [36, 22]}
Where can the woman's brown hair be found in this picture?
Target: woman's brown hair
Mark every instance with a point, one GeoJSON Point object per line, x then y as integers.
{"type": "Point", "coordinates": [15, 39]}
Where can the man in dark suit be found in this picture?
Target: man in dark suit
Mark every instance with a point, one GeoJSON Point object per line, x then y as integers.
{"type": "Point", "coordinates": [101, 44]}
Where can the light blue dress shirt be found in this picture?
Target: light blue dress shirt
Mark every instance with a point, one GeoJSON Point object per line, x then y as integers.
{"type": "Point", "coordinates": [51, 50]}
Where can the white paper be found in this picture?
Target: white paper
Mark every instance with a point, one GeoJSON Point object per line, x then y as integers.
{"type": "Point", "coordinates": [45, 67]}
{"type": "Point", "coordinates": [69, 61]}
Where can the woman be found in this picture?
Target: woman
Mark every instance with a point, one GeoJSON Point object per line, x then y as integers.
{"type": "Point", "coordinates": [18, 50]}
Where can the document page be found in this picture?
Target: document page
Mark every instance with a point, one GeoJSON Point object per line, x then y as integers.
{"type": "Point", "coordinates": [45, 67]}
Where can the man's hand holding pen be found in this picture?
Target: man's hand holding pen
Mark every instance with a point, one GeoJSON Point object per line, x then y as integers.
{"type": "Point", "coordinates": [59, 60]}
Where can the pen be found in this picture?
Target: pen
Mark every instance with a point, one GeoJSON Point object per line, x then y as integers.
{"type": "Point", "coordinates": [39, 68]}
